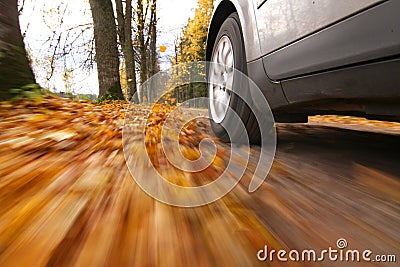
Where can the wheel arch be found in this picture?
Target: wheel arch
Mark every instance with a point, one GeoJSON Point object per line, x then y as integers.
{"type": "Point", "coordinates": [245, 10]}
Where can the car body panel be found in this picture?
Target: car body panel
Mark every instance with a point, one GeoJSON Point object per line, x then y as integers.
{"type": "Point", "coordinates": [272, 90]}
{"type": "Point", "coordinates": [364, 82]}
{"type": "Point", "coordinates": [281, 22]}
{"type": "Point", "coordinates": [359, 38]}
{"type": "Point", "coordinates": [371, 90]}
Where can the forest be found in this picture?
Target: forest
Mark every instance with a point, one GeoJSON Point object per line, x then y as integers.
{"type": "Point", "coordinates": [119, 41]}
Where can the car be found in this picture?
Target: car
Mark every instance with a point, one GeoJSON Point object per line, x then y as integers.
{"type": "Point", "coordinates": [310, 57]}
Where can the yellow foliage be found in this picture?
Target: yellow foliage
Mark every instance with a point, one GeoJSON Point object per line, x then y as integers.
{"type": "Point", "coordinates": [192, 46]}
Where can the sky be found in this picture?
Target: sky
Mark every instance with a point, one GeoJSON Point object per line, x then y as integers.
{"type": "Point", "coordinates": [172, 14]}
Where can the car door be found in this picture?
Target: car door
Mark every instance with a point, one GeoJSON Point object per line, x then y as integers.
{"type": "Point", "coordinates": [281, 23]}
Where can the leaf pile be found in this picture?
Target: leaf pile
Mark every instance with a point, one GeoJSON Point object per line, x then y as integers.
{"type": "Point", "coordinates": [58, 160]}
{"type": "Point", "coordinates": [60, 124]}
{"type": "Point", "coordinates": [173, 130]}
{"type": "Point", "coordinates": [359, 123]}
{"type": "Point", "coordinates": [67, 197]}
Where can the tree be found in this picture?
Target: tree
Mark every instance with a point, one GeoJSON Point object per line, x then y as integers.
{"type": "Point", "coordinates": [105, 35]}
{"type": "Point", "coordinates": [146, 42]}
{"type": "Point", "coordinates": [15, 70]}
{"type": "Point", "coordinates": [125, 38]}
{"type": "Point", "coordinates": [191, 47]}
{"type": "Point", "coordinates": [69, 47]}
{"type": "Point", "coordinates": [153, 40]}
{"type": "Point", "coordinates": [153, 45]}
{"type": "Point", "coordinates": [141, 42]}
{"type": "Point", "coordinates": [194, 35]}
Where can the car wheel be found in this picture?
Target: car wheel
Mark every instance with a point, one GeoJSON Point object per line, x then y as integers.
{"type": "Point", "coordinates": [229, 51]}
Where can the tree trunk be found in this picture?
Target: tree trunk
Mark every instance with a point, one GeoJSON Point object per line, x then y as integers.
{"type": "Point", "coordinates": [153, 44]}
{"type": "Point", "coordinates": [107, 59]}
{"type": "Point", "coordinates": [129, 52]}
{"type": "Point", "coordinates": [142, 45]}
{"type": "Point", "coordinates": [153, 47]}
{"type": "Point", "coordinates": [15, 70]}
{"type": "Point", "coordinates": [125, 38]}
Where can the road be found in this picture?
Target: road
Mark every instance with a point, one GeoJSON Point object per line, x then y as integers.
{"type": "Point", "coordinates": [82, 207]}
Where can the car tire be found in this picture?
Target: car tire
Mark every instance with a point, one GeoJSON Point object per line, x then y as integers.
{"type": "Point", "coordinates": [221, 124]}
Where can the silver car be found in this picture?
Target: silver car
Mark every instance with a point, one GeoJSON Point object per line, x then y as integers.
{"type": "Point", "coordinates": [308, 57]}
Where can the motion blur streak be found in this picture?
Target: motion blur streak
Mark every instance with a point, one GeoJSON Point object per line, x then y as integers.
{"type": "Point", "coordinates": [67, 198]}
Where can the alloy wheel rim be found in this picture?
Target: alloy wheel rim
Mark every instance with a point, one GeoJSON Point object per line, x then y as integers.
{"type": "Point", "coordinates": [221, 79]}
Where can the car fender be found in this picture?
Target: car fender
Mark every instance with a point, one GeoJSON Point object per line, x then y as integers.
{"type": "Point", "coordinates": [245, 10]}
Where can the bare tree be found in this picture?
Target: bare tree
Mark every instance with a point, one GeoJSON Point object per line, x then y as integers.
{"type": "Point", "coordinates": [15, 70]}
{"type": "Point", "coordinates": [68, 43]}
